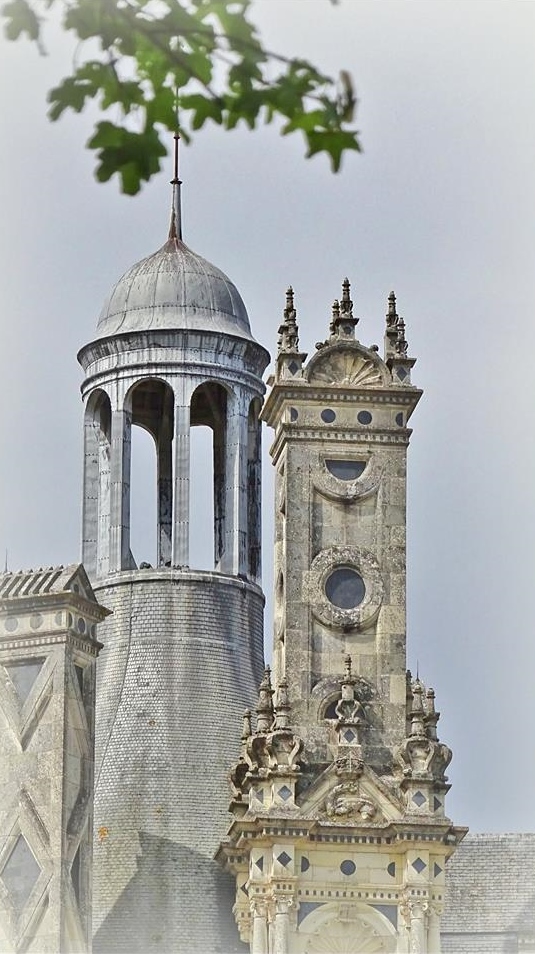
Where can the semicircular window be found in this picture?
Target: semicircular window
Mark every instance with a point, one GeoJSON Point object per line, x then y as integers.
{"type": "Point", "coordinates": [346, 469]}
{"type": "Point", "coordinates": [345, 588]}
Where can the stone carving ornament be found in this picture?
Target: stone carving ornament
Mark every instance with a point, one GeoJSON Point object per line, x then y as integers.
{"type": "Point", "coordinates": [336, 489]}
{"type": "Point", "coordinates": [347, 366]}
{"type": "Point", "coordinates": [349, 937]}
{"type": "Point", "coordinates": [346, 802]}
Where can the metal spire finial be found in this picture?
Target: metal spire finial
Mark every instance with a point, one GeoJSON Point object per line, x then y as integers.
{"type": "Point", "coordinates": [175, 229]}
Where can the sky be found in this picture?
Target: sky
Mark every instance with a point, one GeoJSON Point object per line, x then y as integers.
{"type": "Point", "coordinates": [440, 207]}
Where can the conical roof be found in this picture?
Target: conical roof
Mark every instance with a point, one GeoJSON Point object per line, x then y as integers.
{"type": "Point", "coordinates": [174, 289]}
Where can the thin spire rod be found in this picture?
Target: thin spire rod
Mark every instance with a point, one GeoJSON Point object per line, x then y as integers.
{"type": "Point", "coordinates": [176, 214]}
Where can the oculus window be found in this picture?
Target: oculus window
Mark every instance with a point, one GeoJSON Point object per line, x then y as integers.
{"type": "Point", "coordinates": [345, 588]}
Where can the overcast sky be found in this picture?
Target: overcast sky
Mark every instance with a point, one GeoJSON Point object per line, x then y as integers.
{"type": "Point", "coordinates": [440, 207]}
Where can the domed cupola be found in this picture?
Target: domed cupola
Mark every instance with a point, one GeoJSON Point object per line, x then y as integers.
{"type": "Point", "coordinates": [174, 288]}
{"type": "Point", "coordinates": [173, 350]}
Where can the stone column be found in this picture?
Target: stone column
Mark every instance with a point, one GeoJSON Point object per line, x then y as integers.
{"type": "Point", "coordinates": [235, 538]}
{"type": "Point", "coordinates": [281, 927]}
{"type": "Point", "coordinates": [259, 943]}
{"type": "Point", "coordinates": [121, 427]}
{"type": "Point", "coordinates": [180, 548]}
{"type": "Point", "coordinates": [165, 497]}
{"type": "Point", "coordinates": [433, 929]}
{"type": "Point", "coordinates": [418, 932]}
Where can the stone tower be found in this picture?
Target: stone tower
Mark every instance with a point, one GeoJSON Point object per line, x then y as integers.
{"type": "Point", "coordinates": [340, 837]}
{"type": "Point", "coordinates": [48, 650]}
{"type": "Point", "coordinates": [183, 647]}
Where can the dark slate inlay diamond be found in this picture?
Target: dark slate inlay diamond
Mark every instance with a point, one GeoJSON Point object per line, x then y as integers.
{"type": "Point", "coordinates": [328, 415]}
{"type": "Point", "coordinates": [436, 804]}
{"type": "Point", "coordinates": [23, 675]}
{"type": "Point", "coordinates": [294, 413]}
{"type": "Point", "coordinates": [285, 793]}
{"type": "Point", "coordinates": [284, 858]}
{"type": "Point", "coordinates": [364, 417]}
{"type": "Point", "coordinates": [260, 863]}
{"type": "Point", "coordinates": [436, 870]}
{"type": "Point", "coordinates": [259, 794]}
{"type": "Point", "coordinates": [305, 864]}
{"type": "Point", "coordinates": [20, 873]}
{"type": "Point", "coordinates": [348, 867]}
{"type": "Point", "coordinates": [349, 735]}
{"type": "Point", "coordinates": [293, 367]}
{"type": "Point", "coordinates": [402, 373]}
{"type": "Point", "coordinates": [419, 865]}
{"type": "Point", "coordinates": [391, 868]}
{"type": "Point", "coordinates": [418, 799]}
{"type": "Point", "coordinates": [244, 889]}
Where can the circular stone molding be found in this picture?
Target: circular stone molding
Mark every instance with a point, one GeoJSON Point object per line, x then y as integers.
{"type": "Point", "coordinates": [337, 489]}
{"type": "Point", "coordinates": [363, 563]}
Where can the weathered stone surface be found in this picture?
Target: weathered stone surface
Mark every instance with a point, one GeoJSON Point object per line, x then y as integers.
{"type": "Point", "coordinates": [48, 650]}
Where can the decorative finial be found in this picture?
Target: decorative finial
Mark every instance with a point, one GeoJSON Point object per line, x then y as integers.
{"type": "Point", "coordinates": [391, 315]}
{"type": "Point", "coordinates": [417, 712]}
{"type": "Point", "coordinates": [288, 330]}
{"type": "Point", "coordinates": [246, 730]}
{"type": "Point", "coordinates": [264, 709]}
{"type": "Point", "coordinates": [342, 321]}
{"type": "Point", "coordinates": [282, 706]}
{"type": "Point", "coordinates": [346, 305]}
{"type": "Point", "coordinates": [431, 716]}
{"type": "Point", "coordinates": [175, 229]}
{"type": "Point", "coordinates": [335, 317]}
{"type": "Point", "coordinates": [401, 343]}
{"type": "Point", "coordinates": [289, 301]}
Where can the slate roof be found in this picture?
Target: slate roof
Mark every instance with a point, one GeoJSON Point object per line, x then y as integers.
{"type": "Point", "coordinates": [490, 894]}
{"type": "Point", "coordinates": [22, 584]}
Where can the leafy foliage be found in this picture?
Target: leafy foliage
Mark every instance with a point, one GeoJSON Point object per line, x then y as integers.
{"type": "Point", "coordinates": [163, 65]}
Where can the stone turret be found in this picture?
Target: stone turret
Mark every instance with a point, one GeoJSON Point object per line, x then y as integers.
{"type": "Point", "coordinates": [340, 836]}
{"type": "Point", "coordinates": [183, 649]}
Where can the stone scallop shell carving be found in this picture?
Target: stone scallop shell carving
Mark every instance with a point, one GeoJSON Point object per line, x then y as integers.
{"type": "Point", "coordinates": [347, 368]}
{"type": "Point", "coordinates": [354, 937]}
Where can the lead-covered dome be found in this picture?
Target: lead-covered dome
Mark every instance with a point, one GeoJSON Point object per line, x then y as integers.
{"type": "Point", "coordinates": [174, 289]}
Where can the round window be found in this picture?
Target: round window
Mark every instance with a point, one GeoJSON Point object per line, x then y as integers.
{"type": "Point", "coordinates": [345, 588]}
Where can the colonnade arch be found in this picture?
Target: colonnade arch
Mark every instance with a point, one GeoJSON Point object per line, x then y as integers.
{"type": "Point", "coordinates": [168, 409]}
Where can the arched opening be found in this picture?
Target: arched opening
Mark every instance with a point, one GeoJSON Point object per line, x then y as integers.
{"type": "Point", "coordinates": [151, 404]}
{"type": "Point", "coordinates": [208, 410]}
{"type": "Point", "coordinates": [201, 544]}
{"type": "Point", "coordinates": [97, 464]}
{"type": "Point", "coordinates": [143, 498]}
